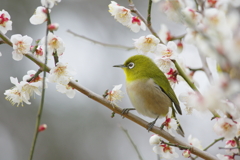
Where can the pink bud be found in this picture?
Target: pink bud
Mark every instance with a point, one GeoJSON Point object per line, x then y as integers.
{"type": "Point", "coordinates": [53, 26]}
{"type": "Point", "coordinates": [42, 127]}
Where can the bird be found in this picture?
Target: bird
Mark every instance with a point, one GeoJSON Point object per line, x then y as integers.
{"type": "Point", "coordinates": [149, 90]}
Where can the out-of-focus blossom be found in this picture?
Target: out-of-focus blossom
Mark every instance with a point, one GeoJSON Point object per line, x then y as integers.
{"type": "Point", "coordinates": [62, 74]}
{"type": "Point", "coordinates": [155, 139]}
{"type": "Point", "coordinates": [55, 43]}
{"type": "Point", "coordinates": [166, 151]}
{"type": "Point", "coordinates": [49, 3]}
{"type": "Point", "coordinates": [146, 44]}
{"type": "Point", "coordinates": [225, 127]}
{"type": "Point", "coordinates": [172, 9]}
{"type": "Point", "coordinates": [53, 26]}
{"type": "Point", "coordinates": [39, 16]}
{"type": "Point", "coordinates": [231, 144]}
{"type": "Point", "coordinates": [21, 46]}
{"type": "Point", "coordinates": [68, 90]}
{"type": "Point", "coordinates": [225, 157]}
{"type": "Point", "coordinates": [42, 127]}
{"type": "Point", "coordinates": [192, 16]}
{"type": "Point", "coordinates": [115, 94]}
{"type": "Point", "coordinates": [5, 22]}
{"type": "Point", "coordinates": [194, 142]}
{"type": "Point", "coordinates": [186, 153]}
{"type": "Point", "coordinates": [164, 34]}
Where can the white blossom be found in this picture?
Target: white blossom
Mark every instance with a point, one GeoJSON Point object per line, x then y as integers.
{"type": "Point", "coordinates": [68, 90]}
{"type": "Point", "coordinates": [225, 127]}
{"type": "Point", "coordinates": [146, 44]}
{"type": "Point", "coordinates": [39, 16]}
{"type": "Point", "coordinates": [21, 46]}
{"type": "Point", "coordinates": [5, 22]}
{"type": "Point", "coordinates": [61, 73]}
{"type": "Point", "coordinates": [49, 3]}
{"type": "Point", "coordinates": [115, 94]}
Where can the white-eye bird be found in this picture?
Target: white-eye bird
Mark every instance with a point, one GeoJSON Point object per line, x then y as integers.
{"type": "Point", "coordinates": [149, 90]}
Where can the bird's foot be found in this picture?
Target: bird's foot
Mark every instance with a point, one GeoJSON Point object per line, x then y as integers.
{"type": "Point", "coordinates": [151, 124]}
{"type": "Point", "coordinates": [126, 110]}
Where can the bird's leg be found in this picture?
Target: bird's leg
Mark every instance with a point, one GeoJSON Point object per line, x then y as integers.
{"type": "Point", "coordinates": [126, 110]}
{"type": "Point", "coordinates": [151, 124]}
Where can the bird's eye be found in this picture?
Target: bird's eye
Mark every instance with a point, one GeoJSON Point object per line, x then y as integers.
{"type": "Point", "coordinates": [130, 65]}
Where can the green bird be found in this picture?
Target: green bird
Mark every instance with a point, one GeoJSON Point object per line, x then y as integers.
{"type": "Point", "coordinates": [149, 89]}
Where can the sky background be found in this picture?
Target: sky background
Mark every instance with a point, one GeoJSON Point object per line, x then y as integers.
{"type": "Point", "coordinates": [79, 128]}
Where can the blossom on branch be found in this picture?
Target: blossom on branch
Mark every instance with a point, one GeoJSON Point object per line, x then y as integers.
{"type": "Point", "coordinates": [62, 74]}
{"type": "Point", "coordinates": [194, 142]}
{"type": "Point", "coordinates": [54, 44]}
{"type": "Point", "coordinates": [39, 16]}
{"type": "Point", "coordinates": [115, 94]}
{"type": "Point", "coordinates": [68, 90]}
{"type": "Point", "coordinates": [225, 127]}
{"type": "Point", "coordinates": [49, 3]}
{"type": "Point", "coordinates": [21, 46]}
{"type": "Point", "coordinates": [5, 22]}
{"type": "Point", "coordinates": [166, 151]}
{"type": "Point", "coordinates": [124, 16]}
{"type": "Point", "coordinates": [146, 44]}
{"type": "Point", "coordinates": [170, 122]}
{"type": "Point", "coordinates": [155, 139]}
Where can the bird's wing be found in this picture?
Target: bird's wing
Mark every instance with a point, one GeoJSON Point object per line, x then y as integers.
{"type": "Point", "coordinates": [170, 93]}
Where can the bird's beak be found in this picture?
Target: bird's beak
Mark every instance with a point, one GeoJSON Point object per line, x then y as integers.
{"type": "Point", "coordinates": [120, 65]}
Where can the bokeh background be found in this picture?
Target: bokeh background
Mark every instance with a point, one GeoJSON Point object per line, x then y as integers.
{"type": "Point", "coordinates": [79, 128]}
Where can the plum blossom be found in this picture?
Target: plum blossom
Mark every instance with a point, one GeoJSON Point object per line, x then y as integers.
{"type": "Point", "coordinates": [137, 24]}
{"type": "Point", "coordinates": [61, 73]}
{"type": "Point", "coordinates": [21, 46]}
{"type": "Point", "coordinates": [225, 157]}
{"type": "Point", "coordinates": [191, 15]}
{"type": "Point", "coordinates": [170, 123]}
{"type": "Point", "coordinates": [231, 144]}
{"type": "Point", "coordinates": [146, 44]}
{"type": "Point", "coordinates": [164, 64]}
{"type": "Point", "coordinates": [164, 34]}
{"type": "Point", "coordinates": [55, 44]}
{"type": "Point", "coordinates": [49, 3]}
{"type": "Point", "coordinates": [39, 16]}
{"type": "Point", "coordinates": [124, 16]}
{"type": "Point", "coordinates": [17, 94]}
{"type": "Point", "coordinates": [40, 53]}
{"type": "Point", "coordinates": [167, 51]}
{"type": "Point", "coordinates": [5, 22]}
{"type": "Point", "coordinates": [186, 153]}
{"type": "Point", "coordinates": [115, 94]}
{"type": "Point", "coordinates": [155, 139]}
{"type": "Point", "coordinates": [166, 151]}
{"type": "Point", "coordinates": [68, 90]}
{"type": "Point", "coordinates": [194, 142]}
{"type": "Point", "coordinates": [225, 127]}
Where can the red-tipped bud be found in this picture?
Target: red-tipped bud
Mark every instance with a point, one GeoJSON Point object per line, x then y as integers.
{"type": "Point", "coordinates": [179, 47]}
{"type": "Point", "coordinates": [42, 127]}
{"type": "Point", "coordinates": [53, 26]}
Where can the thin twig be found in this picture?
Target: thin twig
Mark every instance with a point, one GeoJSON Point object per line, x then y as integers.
{"type": "Point", "coordinates": [100, 43]}
{"type": "Point", "coordinates": [133, 144]}
{"type": "Point", "coordinates": [149, 23]}
{"type": "Point", "coordinates": [39, 115]}
{"type": "Point", "coordinates": [237, 142]}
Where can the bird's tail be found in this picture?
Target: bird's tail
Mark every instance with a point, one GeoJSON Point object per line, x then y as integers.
{"type": "Point", "coordinates": [179, 129]}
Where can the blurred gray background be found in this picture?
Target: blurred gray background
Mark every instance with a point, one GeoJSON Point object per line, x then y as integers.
{"type": "Point", "coordinates": [79, 128]}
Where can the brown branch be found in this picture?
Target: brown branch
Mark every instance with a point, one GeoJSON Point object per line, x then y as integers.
{"type": "Point", "coordinates": [100, 43]}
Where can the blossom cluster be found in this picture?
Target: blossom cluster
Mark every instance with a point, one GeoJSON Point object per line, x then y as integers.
{"type": "Point", "coordinates": [45, 49]}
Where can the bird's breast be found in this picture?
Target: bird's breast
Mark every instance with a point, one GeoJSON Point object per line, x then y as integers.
{"type": "Point", "coordinates": [148, 98]}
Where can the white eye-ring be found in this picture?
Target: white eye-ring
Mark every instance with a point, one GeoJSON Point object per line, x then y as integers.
{"type": "Point", "coordinates": [131, 65]}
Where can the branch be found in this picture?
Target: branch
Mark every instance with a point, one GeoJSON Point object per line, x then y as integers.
{"type": "Point", "coordinates": [100, 43]}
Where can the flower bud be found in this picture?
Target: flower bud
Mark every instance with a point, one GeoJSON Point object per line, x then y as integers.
{"type": "Point", "coordinates": [42, 127]}
{"type": "Point", "coordinates": [53, 26]}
